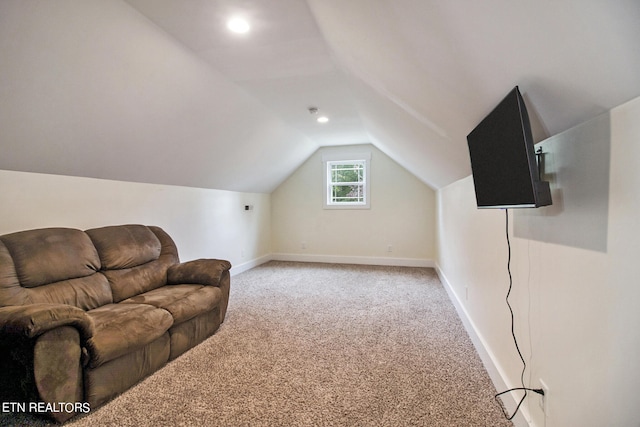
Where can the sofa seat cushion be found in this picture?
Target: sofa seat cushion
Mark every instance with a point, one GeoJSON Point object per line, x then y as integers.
{"type": "Point", "coordinates": [123, 328]}
{"type": "Point", "coordinates": [184, 302]}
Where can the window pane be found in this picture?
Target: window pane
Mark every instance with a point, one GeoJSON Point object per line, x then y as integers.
{"type": "Point", "coordinates": [347, 193]}
{"type": "Point", "coordinates": [352, 172]}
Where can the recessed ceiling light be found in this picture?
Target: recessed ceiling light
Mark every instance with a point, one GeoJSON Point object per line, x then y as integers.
{"type": "Point", "coordinates": [321, 119]}
{"type": "Point", "coordinates": [238, 25]}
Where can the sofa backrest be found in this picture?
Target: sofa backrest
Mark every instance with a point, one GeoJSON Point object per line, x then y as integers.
{"type": "Point", "coordinates": [86, 269]}
{"type": "Point", "coordinates": [51, 265]}
{"type": "Point", "coordinates": [134, 258]}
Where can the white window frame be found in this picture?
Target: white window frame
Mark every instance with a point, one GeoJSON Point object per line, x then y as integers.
{"type": "Point", "coordinates": [345, 158]}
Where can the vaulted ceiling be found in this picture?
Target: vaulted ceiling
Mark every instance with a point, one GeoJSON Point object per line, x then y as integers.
{"type": "Point", "coordinates": [173, 97]}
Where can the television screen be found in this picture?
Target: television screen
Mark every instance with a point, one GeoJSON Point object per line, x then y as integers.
{"type": "Point", "coordinates": [503, 161]}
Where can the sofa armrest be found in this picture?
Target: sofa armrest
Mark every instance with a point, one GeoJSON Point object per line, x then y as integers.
{"type": "Point", "coordinates": [32, 320]}
{"type": "Point", "coordinates": [200, 271]}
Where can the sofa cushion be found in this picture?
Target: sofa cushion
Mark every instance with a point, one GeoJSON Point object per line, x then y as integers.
{"type": "Point", "coordinates": [125, 246]}
{"type": "Point", "coordinates": [134, 258]}
{"type": "Point", "coordinates": [168, 246]}
{"type": "Point", "coordinates": [86, 293]}
{"type": "Point", "coordinates": [123, 328]}
{"type": "Point", "coordinates": [129, 282]}
{"type": "Point", "coordinates": [184, 302]}
{"type": "Point", "coordinates": [50, 255]}
{"type": "Point", "coordinates": [37, 267]}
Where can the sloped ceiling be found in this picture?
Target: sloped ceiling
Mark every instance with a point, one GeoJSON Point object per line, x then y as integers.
{"type": "Point", "coordinates": [284, 61]}
{"type": "Point", "coordinates": [413, 77]}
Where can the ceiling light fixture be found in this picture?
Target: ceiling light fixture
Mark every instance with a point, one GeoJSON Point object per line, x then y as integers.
{"type": "Point", "coordinates": [321, 119]}
{"type": "Point", "coordinates": [238, 25]}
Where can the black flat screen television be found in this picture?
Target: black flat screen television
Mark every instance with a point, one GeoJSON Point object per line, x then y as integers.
{"type": "Point", "coordinates": [503, 158]}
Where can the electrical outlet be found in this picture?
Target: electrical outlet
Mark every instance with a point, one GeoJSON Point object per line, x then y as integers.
{"type": "Point", "coordinates": [466, 293]}
{"type": "Point", "coordinates": [544, 400]}
{"type": "Point", "coordinates": [390, 248]}
{"type": "Point", "coordinates": [303, 245]}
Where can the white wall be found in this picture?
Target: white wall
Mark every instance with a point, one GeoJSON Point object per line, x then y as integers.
{"type": "Point", "coordinates": [204, 223]}
{"type": "Point", "coordinates": [576, 304]}
{"type": "Point", "coordinates": [402, 215]}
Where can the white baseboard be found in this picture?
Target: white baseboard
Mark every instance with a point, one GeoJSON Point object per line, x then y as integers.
{"type": "Point", "coordinates": [237, 269]}
{"type": "Point", "coordinates": [486, 355]}
{"type": "Point", "coordinates": [339, 259]}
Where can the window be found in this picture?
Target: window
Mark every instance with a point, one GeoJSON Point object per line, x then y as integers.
{"type": "Point", "coordinates": [346, 182]}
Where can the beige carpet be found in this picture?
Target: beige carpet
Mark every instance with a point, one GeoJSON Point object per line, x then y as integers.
{"type": "Point", "coordinates": [320, 345]}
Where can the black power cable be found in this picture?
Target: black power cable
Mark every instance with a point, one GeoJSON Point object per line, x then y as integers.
{"type": "Point", "coordinates": [513, 333]}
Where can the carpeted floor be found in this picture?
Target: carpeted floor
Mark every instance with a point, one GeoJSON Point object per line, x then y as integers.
{"type": "Point", "coordinates": [320, 345]}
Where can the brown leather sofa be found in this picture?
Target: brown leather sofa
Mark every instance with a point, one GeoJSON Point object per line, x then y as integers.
{"type": "Point", "coordinates": [84, 315]}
